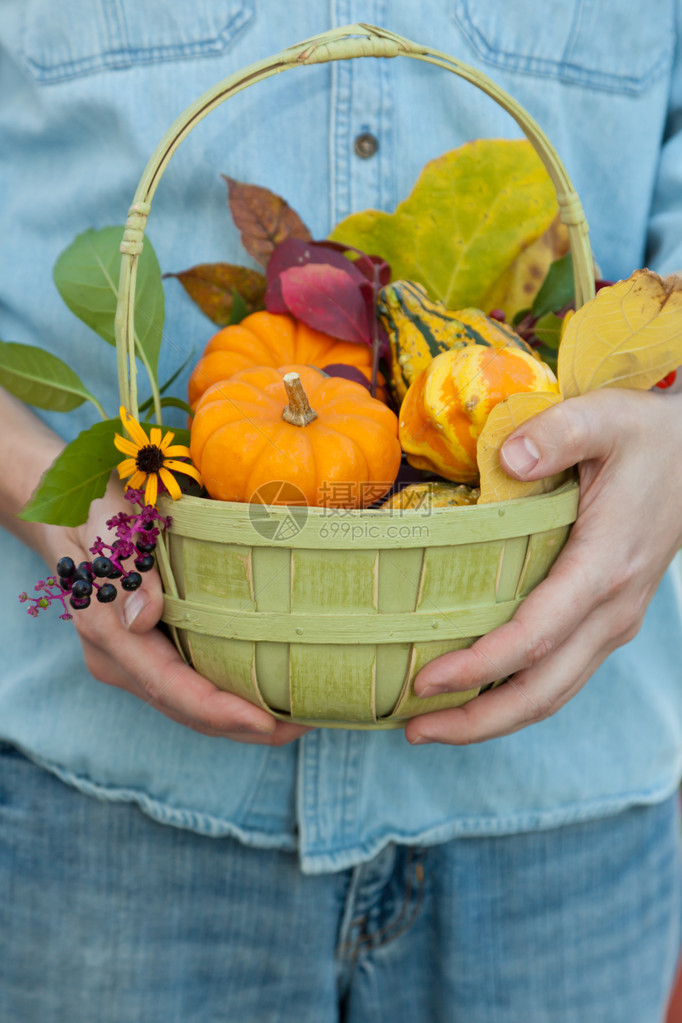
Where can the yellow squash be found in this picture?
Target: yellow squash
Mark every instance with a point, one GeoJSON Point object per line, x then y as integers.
{"type": "Point", "coordinates": [448, 404]}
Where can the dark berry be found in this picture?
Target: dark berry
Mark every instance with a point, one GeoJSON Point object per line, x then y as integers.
{"type": "Point", "coordinates": [132, 581]}
{"type": "Point", "coordinates": [65, 584]}
{"type": "Point", "coordinates": [115, 573]}
{"type": "Point", "coordinates": [84, 574]}
{"type": "Point", "coordinates": [147, 525]}
{"type": "Point", "coordinates": [102, 567]}
{"type": "Point", "coordinates": [145, 546]}
{"type": "Point", "coordinates": [106, 593]}
{"type": "Point", "coordinates": [79, 604]}
{"type": "Point", "coordinates": [145, 564]}
{"type": "Point", "coordinates": [81, 588]}
{"type": "Point", "coordinates": [65, 567]}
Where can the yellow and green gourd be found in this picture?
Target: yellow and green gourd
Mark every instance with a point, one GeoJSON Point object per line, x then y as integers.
{"type": "Point", "coordinates": [419, 329]}
{"type": "Point", "coordinates": [431, 494]}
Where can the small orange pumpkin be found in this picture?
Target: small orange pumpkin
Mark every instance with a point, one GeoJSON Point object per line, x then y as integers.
{"type": "Point", "coordinates": [324, 435]}
{"type": "Point", "coordinates": [272, 339]}
{"type": "Point", "coordinates": [447, 405]}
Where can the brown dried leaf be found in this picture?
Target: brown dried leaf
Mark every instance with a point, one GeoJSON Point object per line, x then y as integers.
{"type": "Point", "coordinates": [264, 219]}
{"type": "Point", "coordinates": [518, 286]}
{"type": "Point", "coordinates": [502, 421]}
{"type": "Point", "coordinates": [212, 287]}
{"type": "Point", "coordinates": [629, 335]}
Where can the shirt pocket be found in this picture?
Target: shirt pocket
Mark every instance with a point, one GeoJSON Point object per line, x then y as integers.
{"type": "Point", "coordinates": [604, 44]}
{"type": "Point", "coordinates": [69, 38]}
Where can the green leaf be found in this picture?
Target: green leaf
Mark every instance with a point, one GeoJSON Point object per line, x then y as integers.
{"type": "Point", "coordinates": [171, 379]}
{"type": "Point", "coordinates": [147, 404]}
{"type": "Point", "coordinates": [557, 289]}
{"type": "Point", "coordinates": [78, 476]}
{"type": "Point", "coordinates": [86, 275]}
{"type": "Point", "coordinates": [548, 330]}
{"type": "Point", "coordinates": [239, 308]}
{"type": "Point", "coordinates": [470, 215]}
{"type": "Point", "coordinates": [520, 315]}
{"type": "Point", "coordinates": [170, 402]}
{"type": "Point", "coordinates": [41, 379]}
{"type": "Point", "coordinates": [182, 436]}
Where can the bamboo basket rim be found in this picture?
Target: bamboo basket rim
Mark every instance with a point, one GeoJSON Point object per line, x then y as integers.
{"type": "Point", "coordinates": [372, 528]}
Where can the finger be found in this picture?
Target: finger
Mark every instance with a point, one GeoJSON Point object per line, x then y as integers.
{"type": "Point", "coordinates": [572, 590]}
{"type": "Point", "coordinates": [149, 666]}
{"type": "Point", "coordinates": [569, 432]}
{"type": "Point", "coordinates": [530, 696]}
{"type": "Point", "coordinates": [110, 672]}
{"type": "Point", "coordinates": [141, 610]}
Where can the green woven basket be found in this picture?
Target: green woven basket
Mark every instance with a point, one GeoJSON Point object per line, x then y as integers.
{"type": "Point", "coordinates": [325, 617]}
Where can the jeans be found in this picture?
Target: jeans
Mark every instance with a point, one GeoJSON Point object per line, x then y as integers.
{"type": "Point", "coordinates": [109, 917]}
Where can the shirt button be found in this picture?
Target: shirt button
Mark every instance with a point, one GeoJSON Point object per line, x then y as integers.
{"type": "Point", "coordinates": [366, 145]}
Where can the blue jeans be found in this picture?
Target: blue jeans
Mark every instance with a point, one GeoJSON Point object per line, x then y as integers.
{"type": "Point", "coordinates": [109, 917]}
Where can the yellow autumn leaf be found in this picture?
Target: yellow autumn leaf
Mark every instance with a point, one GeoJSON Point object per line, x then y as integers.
{"type": "Point", "coordinates": [629, 335]}
{"type": "Point", "coordinates": [506, 417]}
{"type": "Point", "coordinates": [518, 286]}
{"type": "Point", "coordinates": [471, 214]}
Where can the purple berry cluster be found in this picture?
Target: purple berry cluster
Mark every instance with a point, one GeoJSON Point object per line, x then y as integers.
{"type": "Point", "coordinates": [137, 534]}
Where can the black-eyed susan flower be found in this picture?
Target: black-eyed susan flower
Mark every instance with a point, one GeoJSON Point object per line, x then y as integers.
{"type": "Point", "coordinates": [150, 459]}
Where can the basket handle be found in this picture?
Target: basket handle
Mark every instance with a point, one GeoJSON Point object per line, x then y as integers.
{"type": "Point", "coordinates": [359, 40]}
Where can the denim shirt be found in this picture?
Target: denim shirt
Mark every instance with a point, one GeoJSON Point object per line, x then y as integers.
{"type": "Point", "coordinates": [88, 88]}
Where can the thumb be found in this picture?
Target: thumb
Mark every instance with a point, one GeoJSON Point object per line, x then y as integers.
{"type": "Point", "coordinates": [569, 432]}
{"type": "Point", "coordinates": [141, 610]}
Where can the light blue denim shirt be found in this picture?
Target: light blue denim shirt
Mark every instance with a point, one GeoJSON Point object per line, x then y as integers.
{"type": "Point", "coordinates": [87, 88]}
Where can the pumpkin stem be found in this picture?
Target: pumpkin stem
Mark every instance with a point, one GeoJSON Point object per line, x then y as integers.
{"type": "Point", "coordinates": [298, 412]}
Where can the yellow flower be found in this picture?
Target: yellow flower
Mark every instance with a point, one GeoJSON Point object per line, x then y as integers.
{"type": "Point", "coordinates": [150, 459]}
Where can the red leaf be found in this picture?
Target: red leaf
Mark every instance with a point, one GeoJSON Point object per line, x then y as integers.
{"type": "Point", "coordinates": [342, 369]}
{"type": "Point", "coordinates": [295, 252]}
{"type": "Point", "coordinates": [263, 218]}
{"type": "Point", "coordinates": [327, 299]}
{"type": "Point", "coordinates": [374, 268]}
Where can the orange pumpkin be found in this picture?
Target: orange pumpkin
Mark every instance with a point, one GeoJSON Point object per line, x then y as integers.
{"type": "Point", "coordinates": [447, 405]}
{"type": "Point", "coordinates": [272, 339]}
{"type": "Point", "coordinates": [324, 435]}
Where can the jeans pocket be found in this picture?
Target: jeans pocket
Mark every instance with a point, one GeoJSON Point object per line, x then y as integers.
{"type": "Point", "coordinates": [604, 44]}
{"type": "Point", "coordinates": [76, 37]}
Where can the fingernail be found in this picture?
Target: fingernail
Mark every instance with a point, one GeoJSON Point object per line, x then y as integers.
{"type": "Point", "coordinates": [420, 740]}
{"type": "Point", "coordinates": [252, 729]}
{"type": "Point", "coordinates": [433, 691]}
{"type": "Point", "coordinates": [132, 607]}
{"type": "Point", "coordinates": [520, 455]}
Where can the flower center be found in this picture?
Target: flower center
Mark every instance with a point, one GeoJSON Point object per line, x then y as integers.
{"type": "Point", "coordinates": [149, 458]}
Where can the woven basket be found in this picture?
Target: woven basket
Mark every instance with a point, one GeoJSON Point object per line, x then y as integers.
{"type": "Point", "coordinates": [324, 616]}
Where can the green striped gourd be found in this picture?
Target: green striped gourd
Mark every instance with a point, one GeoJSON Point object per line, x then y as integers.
{"type": "Point", "coordinates": [419, 329]}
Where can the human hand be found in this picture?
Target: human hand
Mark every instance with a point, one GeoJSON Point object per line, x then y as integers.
{"type": "Point", "coordinates": [123, 648]}
{"type": "Point", "coordinates": [629, 527]}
